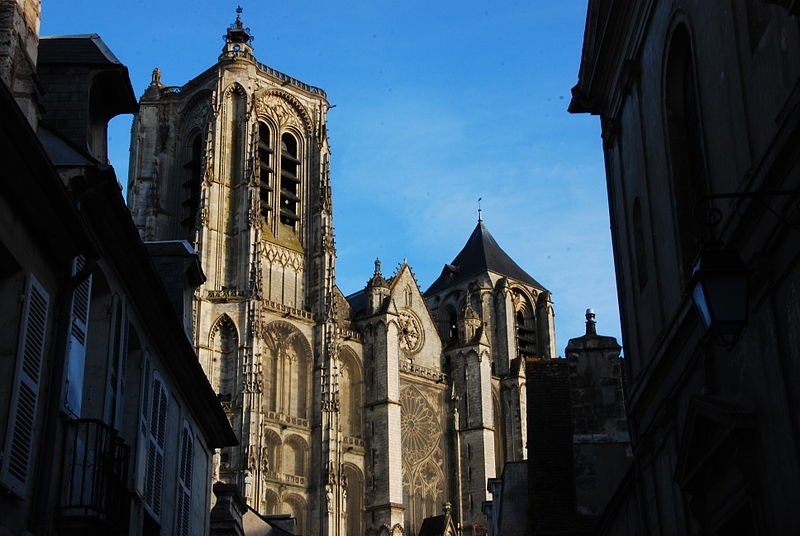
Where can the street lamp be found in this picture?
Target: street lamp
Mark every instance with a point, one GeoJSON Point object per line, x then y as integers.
{"type": "Point", "coordinates": [719, 291]}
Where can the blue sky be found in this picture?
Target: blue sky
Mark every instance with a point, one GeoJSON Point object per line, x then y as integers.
{"type": "Point", "coordinates": [437, 104]}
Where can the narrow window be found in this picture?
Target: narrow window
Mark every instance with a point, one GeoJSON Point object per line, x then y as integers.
{"type": "Point", "coordinates": [290, 178]}
{"type": "Point", "coordinates": [191, 187]}
{"type": "Point", "coordinates": [265, 169]}
{"type": "Point", "coordinates": [687, 159]}
{"type": "Point", "coordinates": [451, 328]}
{"type": "Point", "coordinates": [117, 354]}
{"type": "Point", "coordinates": [638, 243]}
{"type": "Point", "coordinates": [78, 338]}
{"type": "Point", "coordinates": [143, 438]}
{"type": "Point", "coordinates": [526, 335]}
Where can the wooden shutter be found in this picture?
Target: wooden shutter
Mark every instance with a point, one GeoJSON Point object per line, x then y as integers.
{"type": "Point", "coordinates": [143, 439]}
{"type": "Point", "coordinates": [184, 513]}
{"type": "Point", "coordinates": [77, 339]}
{"type": "Point", "coordinates": [117, 356]}
{"type": "Point", "coordinates": [16, 463]}
{"type": "Point", "coordinates": [155, 447]}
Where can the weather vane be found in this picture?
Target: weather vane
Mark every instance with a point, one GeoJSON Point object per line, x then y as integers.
{"type": "Point", "coordinates": [479, 210]}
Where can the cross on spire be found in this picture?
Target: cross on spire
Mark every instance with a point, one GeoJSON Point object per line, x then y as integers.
{"type": "Point", "coordinates": [480, 219]}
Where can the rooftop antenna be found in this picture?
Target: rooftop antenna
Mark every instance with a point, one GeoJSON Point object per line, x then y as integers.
{"type": "Point", "coordinates": [479, 210]}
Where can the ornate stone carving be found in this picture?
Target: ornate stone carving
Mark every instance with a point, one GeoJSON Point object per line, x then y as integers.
{"type": "Point", "coordinates": [410, 332]}
{"type": "Point", "coordinates": [285, 257]}
{"type": "Point", "coordinates": [284, 109]}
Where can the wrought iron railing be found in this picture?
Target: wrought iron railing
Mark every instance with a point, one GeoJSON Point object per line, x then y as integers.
{"type": "Point", "coordinates": [95, 475]}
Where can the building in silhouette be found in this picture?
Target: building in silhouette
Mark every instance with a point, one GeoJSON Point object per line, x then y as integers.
{"type": "Point", "coordinates": [699, 104]}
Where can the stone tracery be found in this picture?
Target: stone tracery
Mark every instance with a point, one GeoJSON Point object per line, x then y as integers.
{"type": "Point", "coordinates": [287, 360]}
{"type": "Point", "coordinates": [423, 473]}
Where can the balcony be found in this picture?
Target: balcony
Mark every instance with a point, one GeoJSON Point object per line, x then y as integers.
{"type": "Point", "coordinates": [94, 496]}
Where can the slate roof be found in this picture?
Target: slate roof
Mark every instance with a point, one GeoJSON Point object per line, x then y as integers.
{"type": "Point", "coordinates": [75, 49]}
{"type": "Point", "coordinates": [480, 254]}
{"type": "Point", "coordinates": [433, 526]}
{"type": "Point", "coordinates": [63, 152]}
{"type": "Point", "coordinates": [358, 302]}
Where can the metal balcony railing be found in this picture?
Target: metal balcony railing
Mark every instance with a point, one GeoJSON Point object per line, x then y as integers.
{"type": "Point", "coordinates": [95, 476]}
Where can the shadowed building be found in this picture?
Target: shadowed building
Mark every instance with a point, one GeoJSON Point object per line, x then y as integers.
{"type": "Point", "coordinates": [700, 110]}
{"type": "Point", "coordinates": [107, 422]}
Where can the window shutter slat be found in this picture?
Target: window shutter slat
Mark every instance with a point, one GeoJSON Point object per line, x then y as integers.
{"type": "Point", "coordinates": [183, 517]}
{"type": "Point", "coordinates": [15, 467]}
{"type": "Point", "coordinates": [155, 459]}
{"type": "Point", "coordinates": [142, 446]}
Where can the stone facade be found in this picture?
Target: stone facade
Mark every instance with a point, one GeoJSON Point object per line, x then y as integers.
{"type": "Point", "coordinates": [358, 414]}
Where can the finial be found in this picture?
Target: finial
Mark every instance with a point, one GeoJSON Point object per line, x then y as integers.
{"type": "Point", "coordinates": [591, 328]}
{"type": "Point", "coordinates": [377, 266]}
{"type": "Point", "coordinates": [479, 210]}
{"type": "Point", "coordinates": [239, 16]}
{"type": "Point", "coordinates": [447, 508]}
{"type": "Point", "coordinates": [155, 80]}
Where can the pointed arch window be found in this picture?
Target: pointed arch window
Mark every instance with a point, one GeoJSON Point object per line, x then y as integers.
{"type": "Point", "coordinates": [449, 324]}
{"type": "Point", "coordinates": [225, 358]}
{"type": "Point", "coordinates": [685, 142]}
{"type": "Point", "coordinates": [526, 333]}
{"type": "Point", "coordinates": [351, 396]}
{"type": "Point", "coordinates": [265, 169]}
{"type": "Point", "coordinates": [290, 179]}
{"type": "Point", "coordinates": [191, 185]}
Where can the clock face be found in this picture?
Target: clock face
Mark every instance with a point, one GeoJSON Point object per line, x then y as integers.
{"type": "Point", "coordinates": [410, 331]}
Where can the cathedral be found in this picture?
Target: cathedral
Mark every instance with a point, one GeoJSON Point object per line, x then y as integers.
{"type": "Point", "coordinates": [359, 414]}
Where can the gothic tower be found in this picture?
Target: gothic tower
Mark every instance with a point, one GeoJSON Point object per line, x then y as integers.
{"type": "Point", "coordinates": [491, 315]}
{"type": "Point", "coordinates": [235, 161]}
{"type": "Point", "coordinates": [357, 415]}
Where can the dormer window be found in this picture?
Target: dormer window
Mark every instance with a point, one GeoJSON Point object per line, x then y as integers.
{"type": "Point", "coordinates": [265, 169]}
{"type": "Point", "coordinates": [290, 178]}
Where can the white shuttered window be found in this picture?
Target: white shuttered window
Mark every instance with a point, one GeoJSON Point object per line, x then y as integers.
{"type": "Point", "coordinates": [184, 513]}
{"type": "Point", "coordinates": [77, 339]}
{"type": "Point", "coordinates": [16, 463]}
{"type": "Point", "coordinates": [155, 448]}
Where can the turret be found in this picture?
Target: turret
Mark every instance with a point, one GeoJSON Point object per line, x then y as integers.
{"type": "Point", "coordinates": [377, 290]}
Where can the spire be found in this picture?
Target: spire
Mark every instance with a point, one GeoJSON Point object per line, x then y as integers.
{"type": "Point", "coordinates": [480, 219]}
{"type": "Point", "coordinates": [591, 328]}
{"type": "Point", "coordinates": [481, 254]}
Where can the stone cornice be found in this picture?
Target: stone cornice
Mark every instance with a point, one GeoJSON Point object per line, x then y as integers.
{"type": "Point", "coordinates": [609, 44]}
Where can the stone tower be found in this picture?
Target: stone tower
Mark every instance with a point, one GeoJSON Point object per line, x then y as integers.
{"type": "Point", "coordinates": [19, 42]}
{"type": "Point", "coordinates": [236, 162]}
{"type": "Point", "coordinates": [360, 414]}
{"type": "Point", "coordinates": [491, 315]}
